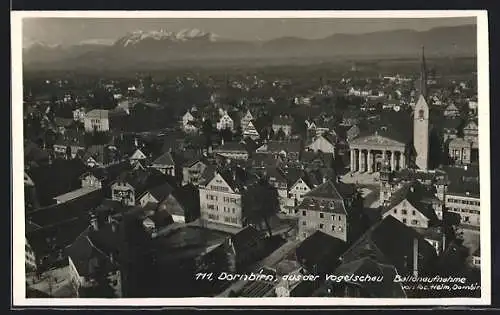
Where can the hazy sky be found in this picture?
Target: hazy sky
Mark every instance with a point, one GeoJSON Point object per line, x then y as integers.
{"type": "Point", "coordinates": [75, 30]}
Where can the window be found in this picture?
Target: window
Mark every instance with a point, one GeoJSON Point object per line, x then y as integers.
{"type": "Point", "coordinates": [340, 218]}
{"type": "Point", "coordinates": [414, 222]}
{"type": "Point", "coordinates": [414, 212]}
{"type": "Point", "coordinates": [333, 227]}
{"type": "Point", "coordinates": [234, 210]}
{"type": "Point", "coordinates": [304, 223]}
{"type": "Point", "coordinates": [304, 213]}
{"type": "Point", "coordinates": [404, 221]}
{"type": "Point", "coordinates": [321, 226]}
{"type": "Point", "coordinates": [340, 229]}
{"type": "Point", "coordinates": [395, 211]}
{"type": "Point", "coordinates": [421, 114]}
{"type": "Point", "coordinates": [404, 211]}
{"type": "Point", "coordinates": [321, 215]}
{"type": "Point", "coordinates": [211, 207]}
{"type": "Point", "coordinates": [333, 217]}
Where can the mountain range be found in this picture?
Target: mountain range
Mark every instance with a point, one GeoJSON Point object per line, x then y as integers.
{"type": "Point", "coordinates": [193, 45]}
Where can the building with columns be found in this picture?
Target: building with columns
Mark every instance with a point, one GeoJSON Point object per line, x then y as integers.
{"type": "Point", "coordinates": [390, 143]}
{"type": "Point", "coordinates": [368, 154]}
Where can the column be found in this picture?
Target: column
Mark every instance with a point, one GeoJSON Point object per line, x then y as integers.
{"type": "Point", "coordinates": [402, 161]}
{"type": "Point", "coordinates": [369, 161]}
{"type": "Point", "coordinates": [360, 161]}
{"type": "Point", "coordinates": [353, 162]}
{"type": "Point", "coordinates": [393, 161]}
{"type": "Point", "coordinates": [384, 156]}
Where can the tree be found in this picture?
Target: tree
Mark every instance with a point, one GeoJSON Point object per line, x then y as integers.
{"type": "Point", "coordinates": [260, 202]}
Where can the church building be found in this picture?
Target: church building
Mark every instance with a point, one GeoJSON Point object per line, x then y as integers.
{"type": "Point", "coordinates": [391, 143]}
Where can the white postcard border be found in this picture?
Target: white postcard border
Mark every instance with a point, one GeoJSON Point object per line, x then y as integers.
{"type": "Point", "coordinates": [18, 225]}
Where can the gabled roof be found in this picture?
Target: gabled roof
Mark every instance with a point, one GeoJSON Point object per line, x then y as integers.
{"type": "Point", "coordinates": [278, 146]}
{"type": "Point", "coordinates": [231, 146]}
{"type": "Point", "coordinates": [93, 249]}
{"type": "Point", "coordinates": [381, 237]}
{"type": "Point", "coordinates": [460, 143]}
{"type": "Point", "coordinates": [417, 195]}
{"type": "Point", "coordinates": [160, 192]}
{"type": "Point", "coordinates": [97, 113]}
{"type": "Point", "coordinates": [164, 159]}
{"type": "Point", "coordinates": [332, 190]}
{"type": "Point", "coordinates": [246, 239]}
{"type": "Point", "coordinates": [387, 288]}
{"type": "Point", "coordinates": [282, 120]}
{"type": "Point", "coordinates": [320, 248]}
{"type": "Point", "coordinates": [376, 140]}
{"type": "Point", "coordinates": [141, 180]}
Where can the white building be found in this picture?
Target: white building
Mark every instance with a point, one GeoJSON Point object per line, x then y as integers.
{"type": "Point", "coordinates": [225, 122]}
{"type": "Point", "coordinates": [97, 120]}
{"type": "Point", "coordinates": [188, 123]}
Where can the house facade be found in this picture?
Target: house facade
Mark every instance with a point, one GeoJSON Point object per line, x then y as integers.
{"type": "Point", "coordinates": [246, 119]}
{"type": "Point", "coordinates": [165, 164]}
{"type": "Point", "coordinates": [460, 151]}
{"type": "Point", "coordinates": [192, 172]}
{"type": "Point", "coordinates": [251, 132]}
{"type": "Point", "coordinates": [283, 123]}
{"type": "Point", "coordinates": [467, 205]}
{"type": "Point", "coordinates": [97, 120]}
{"type": "Point", "coordinates": [225, 122]}
{"type": "Point", "coordinates": [327, 210]}
{"type": "Point", "coordinates": [323, 143]}
{"type": "Point", "coordinates": [220, 202]}
{"type": "Point", "coordinates": [188, 123]}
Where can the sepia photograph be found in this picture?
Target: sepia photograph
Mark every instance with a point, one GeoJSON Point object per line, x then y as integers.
{"type": "Point", "coordinates": [250, 157]}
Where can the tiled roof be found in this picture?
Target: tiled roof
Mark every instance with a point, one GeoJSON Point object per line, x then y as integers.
{"type": "Point", "coordinates": [463, 180]}
{"type": "Point", "coordinates": [418, 195]}
{"type": "Point", "coordinates": [246, 239]}
{"type": "Point", "coordinates": [97, 113]}
{"type": "Point", "coordinates": [387, 288]}
{"type": "Point", "coordinates": [333, 190]}
{"type": "Point", "coordinates": [282, 120]}
{"type": "Point", "coordinates": [231, 146]}
{"type": "Point", "coordinates": [320, 248]}
{"type": "Point", "coordinates": [59, 213]}
{"type": "Point", "coordinates": [287, 146]}
{"type": "Point", "coordinates": [460, 143]}
{"type": "Point", "coordinates": [160, 192]}
{"type": "Point", "coordinates": [394, 249]}
{"type": "Point", "coordinates": [164, 159]}
{"type": "Point", "coordinates": [92, 249]}
{"type": "Point", "coordinates": [142, 180]}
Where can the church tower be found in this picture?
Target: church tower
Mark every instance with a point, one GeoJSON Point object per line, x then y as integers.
{"type": "Point", "coordinates": [421, 121]}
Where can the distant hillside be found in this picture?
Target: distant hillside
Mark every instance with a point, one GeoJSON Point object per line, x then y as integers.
{"type": "Point", "coordinates": [198, 47]}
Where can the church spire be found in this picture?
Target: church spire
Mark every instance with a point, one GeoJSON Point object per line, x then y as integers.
{"type": "Point", "coordinates": [423, 75]}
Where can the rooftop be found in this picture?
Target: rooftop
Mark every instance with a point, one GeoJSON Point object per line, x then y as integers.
{"type": "Point", "coordinates": [74, 194]}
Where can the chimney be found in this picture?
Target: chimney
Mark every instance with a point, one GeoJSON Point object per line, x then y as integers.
{"type": "Point", "coordinates": [415, 257]}
{"type": "Point", "coordinates": [94, 222]}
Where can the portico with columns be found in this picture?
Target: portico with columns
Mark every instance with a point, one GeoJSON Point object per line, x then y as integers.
{"type": "Point", "coordinates": [368, 154]}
